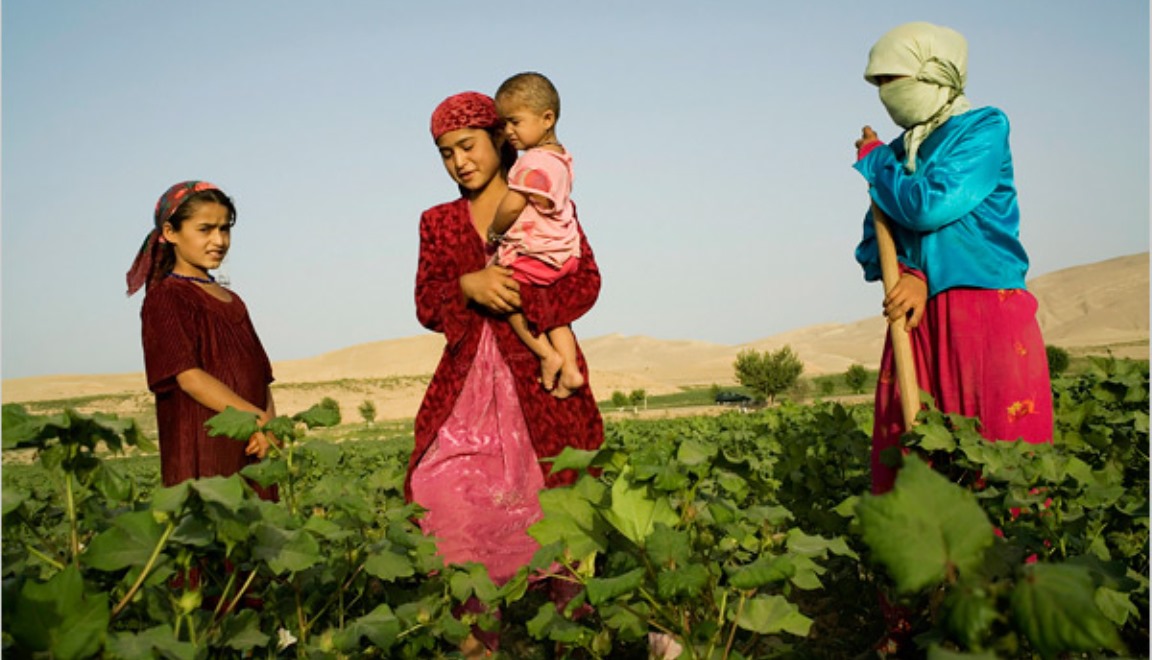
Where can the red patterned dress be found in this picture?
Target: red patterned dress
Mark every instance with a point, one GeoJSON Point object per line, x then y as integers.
{"type": "Point", "coordinates": [184, 327]}
{"type": "Point", "coordinates": [485, 420]}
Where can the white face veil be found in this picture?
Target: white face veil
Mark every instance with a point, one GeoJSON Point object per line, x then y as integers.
{"type": "Point", "coordinates": [934, 63]}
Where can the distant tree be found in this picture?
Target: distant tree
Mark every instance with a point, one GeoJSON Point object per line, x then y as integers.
{"type": "Point", "coordinates": [331, 404]}
{"type": "Point", "coordinates": [368, 412]}
{"type": "Point", "coordinates": [637, 397]}
{"type": "Point", "coordinates": [856, 377]}
{"type": "Point", "coordinates": [1058, 360]}
{"type": "Point", "coordinates": [827, 386]}
{"type": "Point", "coordinates": [768, 374]}
{"type": "Point", "coordinates": [619, 399]}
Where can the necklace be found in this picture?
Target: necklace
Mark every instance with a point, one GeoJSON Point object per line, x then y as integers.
{"type": "Point", "coordinates": [190, 278]}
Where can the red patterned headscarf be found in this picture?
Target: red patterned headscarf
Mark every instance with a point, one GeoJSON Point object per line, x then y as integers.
{"type": "Point", "coordinates": [464, 110]}
{"type": "Point", "coordinates": [166, 207]}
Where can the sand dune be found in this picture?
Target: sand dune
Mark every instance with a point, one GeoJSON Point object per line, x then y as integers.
{"type": "Point", "coordinates": [1096, 305]}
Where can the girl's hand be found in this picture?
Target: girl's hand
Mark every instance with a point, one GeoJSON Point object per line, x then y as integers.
{"type": "Point", "coordinates": [907, 300]}
{"type": "Point", "coordinates": [258, 445]}
{"type": "Point", "coordinates": [493, 288]}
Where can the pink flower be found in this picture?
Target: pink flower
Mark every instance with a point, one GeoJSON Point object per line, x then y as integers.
{"type": "Point", "coordinates": [1032, 559]}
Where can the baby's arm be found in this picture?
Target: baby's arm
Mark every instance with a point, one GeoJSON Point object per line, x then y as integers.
{"type": "Point", "coordinates": [510, 207]}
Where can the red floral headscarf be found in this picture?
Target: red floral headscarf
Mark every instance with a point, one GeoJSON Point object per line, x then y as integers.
{"type": "Point", "coordinates": [464, 110]}
{"type": "Point", "coordinates": [165, 208]}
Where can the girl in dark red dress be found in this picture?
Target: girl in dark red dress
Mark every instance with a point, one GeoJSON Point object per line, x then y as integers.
{"type": "Point", "coordinates": [486, 420]}
{"type": "Point", "coordinates": [201, 353]}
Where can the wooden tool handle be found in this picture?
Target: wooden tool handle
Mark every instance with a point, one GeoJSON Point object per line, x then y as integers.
{"type": "Point", "coordinates": [901, 343]}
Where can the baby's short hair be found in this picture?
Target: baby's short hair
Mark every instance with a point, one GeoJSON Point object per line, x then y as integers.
{"type": "Point", "coordinates": [533, 89]}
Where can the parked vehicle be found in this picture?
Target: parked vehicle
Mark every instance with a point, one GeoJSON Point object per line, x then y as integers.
{"type": "Point", "coordinates": [733, 398]}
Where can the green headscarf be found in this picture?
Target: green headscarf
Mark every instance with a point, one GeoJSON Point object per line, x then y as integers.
{"type": "Point", "coordinates": [935, 61]}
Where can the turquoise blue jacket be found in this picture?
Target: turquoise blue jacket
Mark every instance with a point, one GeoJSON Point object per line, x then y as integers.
{"type": "Point", "coordinates": [955, 219]}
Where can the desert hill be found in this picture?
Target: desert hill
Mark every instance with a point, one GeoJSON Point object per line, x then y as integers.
{"type": "Point", "coordinates": [1090, 308]}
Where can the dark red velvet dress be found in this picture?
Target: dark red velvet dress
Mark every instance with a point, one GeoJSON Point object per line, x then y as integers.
{"type": "Point", "coordinates": [450, 247]}
{"type": "Point", "coordinates": [184, 328]}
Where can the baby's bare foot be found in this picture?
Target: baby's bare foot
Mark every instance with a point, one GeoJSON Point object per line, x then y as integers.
{"type": "Point", "coordinates": [570, 380]}
{"type": "Point", "coordinates": [550, 367]}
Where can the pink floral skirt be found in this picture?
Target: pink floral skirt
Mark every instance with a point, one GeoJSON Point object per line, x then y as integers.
{"type": "Point", "coordinates": [479, 480]}
{"type": "Point", "coordinates": [979, 353]}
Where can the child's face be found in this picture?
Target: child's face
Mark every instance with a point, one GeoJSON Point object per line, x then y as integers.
{"type": "Point", "coordinates": [524, 126]}
{"type": "Point", "coordinates": [470, 157]}
{"type": "Point", "coordinates": [202, 240]}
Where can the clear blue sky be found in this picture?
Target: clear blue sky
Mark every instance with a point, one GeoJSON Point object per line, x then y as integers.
{"type": "Point", "coordinates": [713, 145]}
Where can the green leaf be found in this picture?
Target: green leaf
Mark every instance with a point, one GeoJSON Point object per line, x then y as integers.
{"type": "Point", "coordinates": [1054, 606]}
{"type": "Point", "coordinates": [773, 614]}
{"type": "Point", "coordinates": [228, 492]}
{"type": "Point", "coordinates": [630, 622]}
{"type": "Point", "coordinates": [549, 624]}
{"type": "Point", "coordinates": [110, 482]}
{"type": "Point", "coordinates": [732, 483]}
{"type": "Point", "coordinates": [807, 574]}
{"type": "Point", "coordinates": [58, 616]}
{"type": "Point", "coordinates": [570, 519]}
{"type": "Point", "coordinates": [924, 528]}
{"type": "Point", "coordinates": [634, 511]}
{"type": "Point", "coordinates": [19, 427]}
{"type": "Point", "coordinates": [668, 547]}
{"type": "Point", "coordinates": [671, 477]}
{"type": "Point", "coordinates": [327, 454]}
{"type": "Point", "coordinates": [817, 546]}
{"type": "Point", "coordinates": [380, 626]}
{"type": "Point", "coordinates": [194, 531]}
{"type": "Point", "coordinates": [318, 415]}
{"type": "Point", "coordinates": [267, 472]}
{"type": "Point", "coordinates": [686, 582]}
{"type": "Point", "coordinates": [233, 424]}
{"type": "Point", "coordinates": [694, 452]}
{"type": "Point", "coordinates": [472, 579]}
{"type": "Point", "coordinates": [935, 437]}
{"type": "Point", "coordinates": [281, 427]}
{"type": "Point", "coordinates": [847, 508]}
{"type": "Point", "coordinates": [601, 590]}
{"type": "Point", "coordinates": [572, 459]}
{"type": "Point", "coordinates": [971, 611]}
{"type": "Point", "coordinates": [283, 550]}
{"type": "Point", "coordinates": [765, 570]}
{"type": "Point", "coordinates": [389, 566]}
{"type": "Point", "coordinates": [1116, 606]}
{"type": "Point", "coordinates": [242, 631]}
{"type": "Point", "coordinates": [159, 641]}
{"type": "Point", "coordinates": [170, 499]}
{"type": "Point", "coordinates": [129, 542]}
{"type": "Point", "coordinates": [12, 499]}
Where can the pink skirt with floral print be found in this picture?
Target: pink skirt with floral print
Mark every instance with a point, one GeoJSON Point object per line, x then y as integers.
{"type": "Point", "coordinates": [979, 353]}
